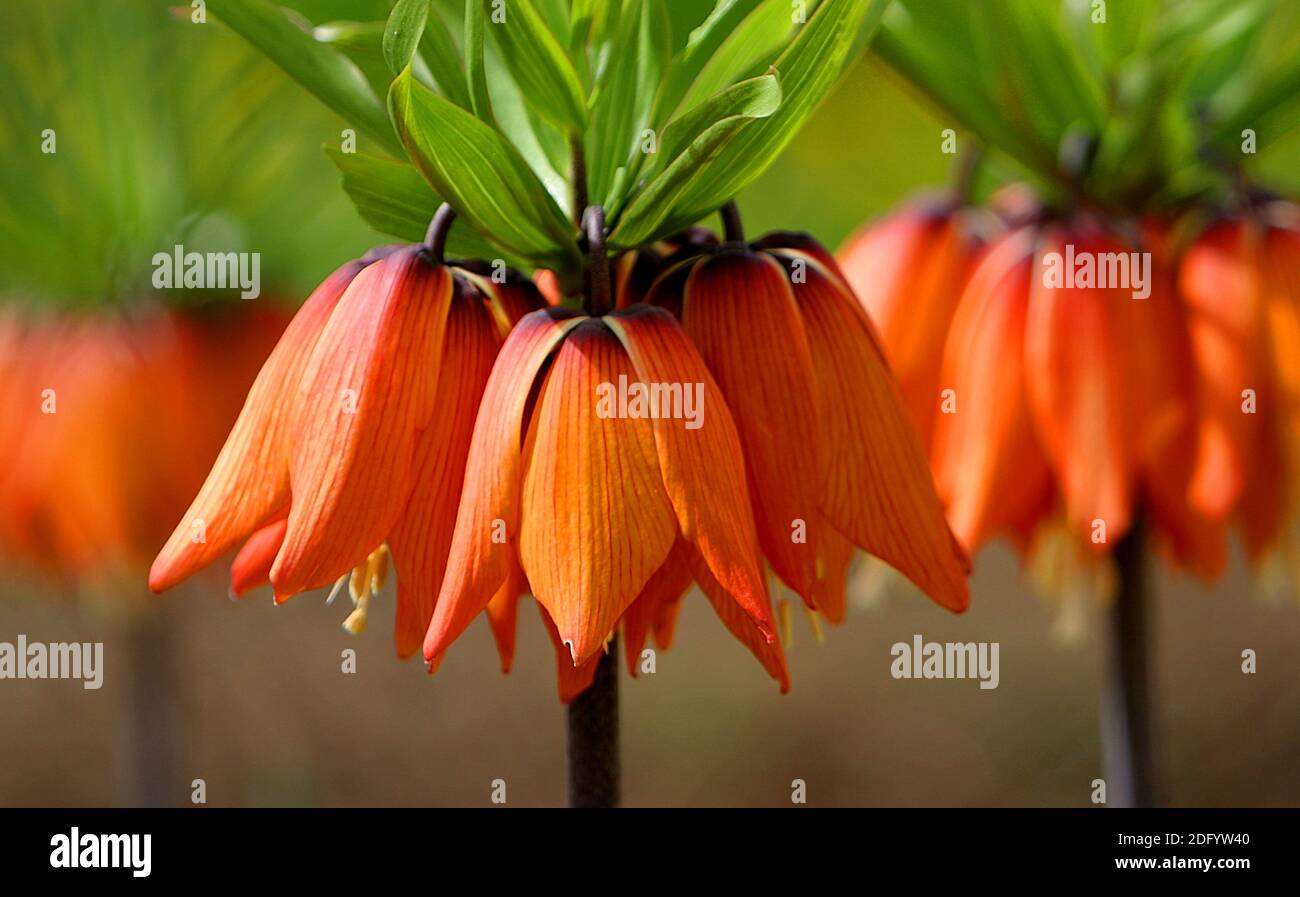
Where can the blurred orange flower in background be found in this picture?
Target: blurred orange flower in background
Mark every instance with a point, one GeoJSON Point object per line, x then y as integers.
{"type": "Point", "coordinates": [1076, 408]}
{"type": "Point", "coordinates": [111, 422]}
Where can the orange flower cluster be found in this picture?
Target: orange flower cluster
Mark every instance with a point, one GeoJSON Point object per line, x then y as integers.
{"type": "Point", "coordinates": [111, 423]}
{"type": "Point", "coordinates": [1049, 388]}
{"type": "Point", "coordinates": [494, 445]}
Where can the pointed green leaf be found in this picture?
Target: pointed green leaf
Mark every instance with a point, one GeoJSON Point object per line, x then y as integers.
{"type": "Point", "coordinates": [403, 31]}
{"type": "Point", "coordinates": [394, 199]}
{"type": "Point", "coordinates": [438, 50]}
{"type": "Point", "coordinates": [808, 68]}
{"type": "Point", "coordinates": [476, 61]}
{"type": "Point", "coordinates": [538, 60]}
{"type": "Point", "coordinates": [481, 175]}
{"type": "Point", "coordinates": [623, 100]}
{"type": "Point", "coordinates": [700, 47]}
{"type": "Point", "coordinates": [688, 145]}
{"type": "Point", "coordinates": [328, 74]}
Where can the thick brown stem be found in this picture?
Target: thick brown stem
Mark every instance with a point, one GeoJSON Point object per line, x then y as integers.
{"type": "Point", "coordinates": [599, 298]}
{"type": "Point", "coordinates": [1126, 687]}
{"type": "Point", "coordinates": [593, 738]}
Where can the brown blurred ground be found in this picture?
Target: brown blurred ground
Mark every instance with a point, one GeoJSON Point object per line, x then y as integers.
{"type": "Point", "coordinates": [273, 721]}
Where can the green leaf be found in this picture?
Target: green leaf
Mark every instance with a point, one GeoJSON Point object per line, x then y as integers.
{"type": "Point", "coordinates": [476, 61]}
{"type": "Point", "coordinates": [403, 31]}
{"type": "Point", "coordinates": [703, 42]}
{"type": "Point", "coordinates": [808, 68]}
{"type": "Point", "coordinates": [363, 43]}
{"type": "Point", "coordinates": [394, 199]}
{"type": "Point", "coordinates": [689, 144]}
{"type": "Point", "coordinates": [438, 50]}
{"type": "Point", "coordinates": [931, 45]}
{"type": "Point", "coordinates": [539, 63]}
{"type": "Point", "coordinates": [623, 99]}
{"type": "Point", "coordinates": [758, 40]}
{"type": "Point", "coordinates": [327, 73]}
{"type": "Point", "coordinates": [541, 144]}
{"type": "Point", "coordinates": [481, 175]}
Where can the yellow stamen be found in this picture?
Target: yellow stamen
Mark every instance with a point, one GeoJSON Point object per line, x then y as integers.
{"type": "Point", "coordinates": [815, 623]}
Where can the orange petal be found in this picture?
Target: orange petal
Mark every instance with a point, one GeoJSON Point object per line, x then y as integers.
{"type": "Point", "coordinates": [487, 520]}
{"type": "Point", "coordinates": [1220, 286]}
{"type": "Point", "coordinates": [740, 313]}
{"type": "Point", "coordinates": [596, 521]}
{"type": "Point", "coordinates": [1162, 422]}
{"type": "Point", "coordinates": [988, 466]}
{"type": "Point", "coordinates": [908, 271]}
{"type": "Point", "coordinates": [573, 679]}
{"type": "Point", "coordinates": [1074, 378]}
{"type": "Point", "coordinates": [740, 623]}
{"type": "Point", "coordinates": [834, 556]}
{"type": "Point", "coordinates": [503, 613]}
{"type": "Point", "coordinates": [703, 468]}
{"type": "Point", "coordinates": [549, 286]}
{"type": "Point", "coordinates": [252, 566]}
{"type": "Point", "coordinates": [1261, 512]}
{"type": "Point", "coordinates": [633, 274]}
{"type": "Point", "coordinates": [250, 478]}
{"type": "Point", "coordinates": [878, 490]}
{"type": "Point", "coordinates": [654, 610]}
{"type": "Point", "coordinates": [512, 294]}
{"type": "Point", "coordinates": [368, 388]}
{"type": "Point", "coordinates": [421, 538]}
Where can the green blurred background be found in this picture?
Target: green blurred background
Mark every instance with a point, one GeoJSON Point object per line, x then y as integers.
{"type": "Point", "coordinates": [221, 140]}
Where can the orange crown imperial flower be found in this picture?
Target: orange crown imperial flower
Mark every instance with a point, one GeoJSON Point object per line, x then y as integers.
{"type": "Point", "coordinates": [605, 517]}
{"type": "Point", "coordinates": [831, 457]}
{"type": "Point", "coordinates": [1166, 395]}
{"type": "Point", "coordinates": [354, 436]}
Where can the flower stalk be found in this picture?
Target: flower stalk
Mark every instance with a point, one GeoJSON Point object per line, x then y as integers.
{"type": "Point", "coordinates": [593, 754]}
{"type": "Point", "coordinates": [151, 730]}
{"type": "Point", "coordinates": [598, 300]}
{"type": "Point", "coordinates": [733, 229]}
{"type": "Point", "coordinates": [1126, 692]}
{"type": "Point", "coordinates": [592, 716]}
{"type": "Point", "coordinates": [435, 239]}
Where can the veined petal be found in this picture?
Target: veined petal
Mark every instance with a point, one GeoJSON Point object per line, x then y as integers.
{"type": "Point", "coordinates": [596, 520]}
{"type": "Point", "coordinates": [740, 313]}
{"type": "Point", "coordinates": [250, 479]}
{"type": "Point", "coordinates": [503, 614]}
{"type": "Point", "coordinates": [368, 388]}
{"type": "Point", "coordinates": [421, 538]}
{"type": "Point", "coordinates": [740, 622]}
{"type": "Point", "coordinates": [834, 556]}
{"type": "Point", "coordinates": [487, 520]}
{"type": "Point", "coordinates": [702, 468]}
{"type": "Point", "coordinates": [573, 678]}
{"type": "Point", "coordinates": [511, 294]}
{"type": "Point", "coordinates": [988, 466]}
{"type": "Point", "coordinates": [798, 242]}
{"type": "Point", "coordinates": [252, 565]}
{"type": "Point", "coordinates": [878, 489]}
{"type": "Point", "coordinates": [655, 609]}
{"type": "Point", "coordinates": [1074, 378]}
